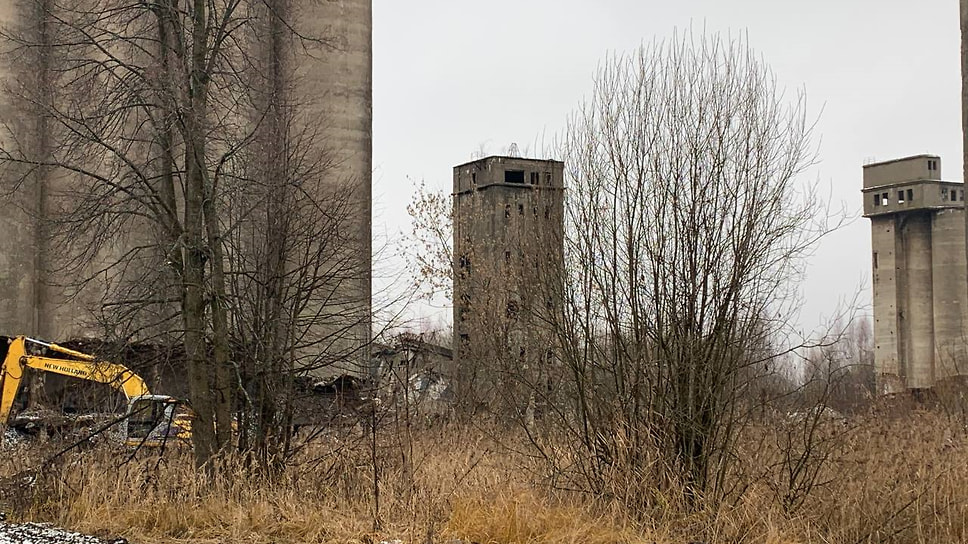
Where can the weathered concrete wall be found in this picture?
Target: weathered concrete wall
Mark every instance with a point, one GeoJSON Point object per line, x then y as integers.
{"type": "Point", "coordinates": [905, 196]}
{"type": "Point", "coordinates": [508, 227]}
{"type": "Point", "coordinates": [25, 257]}
{"type": "Point", "coordinates": [950, 278]}
{"type": "Point", "coordinates": [335, 79]}
{"type": "Point", "coordinates": [915, 299]}
{"type": "Point", "coordinates": [900, 170]}
{"type": "Point", "coordinates": [17, 238]}
{"type": "Point", "coordinates": [886, 341]}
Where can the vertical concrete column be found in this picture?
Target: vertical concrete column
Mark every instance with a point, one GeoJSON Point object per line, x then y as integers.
{"type": "Point", "coordinates": [916, 292]}
{"type": "Point", "coordinates": [886, 344]}
{"type": "Point", "coordinates": [334, 83]}
{"type": "Point", "coordinates": [23, 286]}
{"type": "Point", "coordinates": [950, 295]}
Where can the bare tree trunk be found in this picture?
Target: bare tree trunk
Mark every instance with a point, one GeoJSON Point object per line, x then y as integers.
{"type": "Point", "coordinates": [200, 375]}
{"type": "Point", "coordinates": [193, 314]}
{"type": "Point", "coordinates": [220, 329]}
{"type": "Point", "coordinates": [277, 186]}
{"type": "Point", "coordinates": [165, 142]}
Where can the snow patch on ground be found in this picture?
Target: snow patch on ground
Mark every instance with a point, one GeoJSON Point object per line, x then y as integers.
{"type": "Point", "coordinates": [44, 533]}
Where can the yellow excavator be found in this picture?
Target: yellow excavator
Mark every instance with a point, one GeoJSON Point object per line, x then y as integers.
{"type": "Point", "coordinates": [150, 420]}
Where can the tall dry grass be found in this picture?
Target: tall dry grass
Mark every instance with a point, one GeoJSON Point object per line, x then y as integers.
{"type": "Point", "coordinates": [902, 480]}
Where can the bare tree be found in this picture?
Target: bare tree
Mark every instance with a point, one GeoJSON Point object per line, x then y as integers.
{"type": "Point", "coordinates": [686, 230]}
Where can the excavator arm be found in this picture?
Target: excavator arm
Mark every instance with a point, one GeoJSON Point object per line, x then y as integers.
{"type": "Point", "coordinates": [76, 364]}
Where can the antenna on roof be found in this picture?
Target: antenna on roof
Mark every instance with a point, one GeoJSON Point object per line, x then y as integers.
{"type": "Point", "coordinates": [513, 150]}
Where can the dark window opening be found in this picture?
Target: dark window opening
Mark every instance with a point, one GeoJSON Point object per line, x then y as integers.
{"type": "Point", "coordinates": [910, 194]}
{"type": "Point", "coordinates": [465, 338]}
{"type": "Point", "coordinates": [548, 212]}
{"type": "Point", "coordinates": [464, 261]}
{"type": "Point", "coordinates": [885, 200]}
{"type": "Point", "coordinates": [507, 210]}
{"type": "Point", "coordinates": [474, 178]}
{"type": "Point", "coordinates": [900, 197]}
{"type": "Point", "coordinates": [520, 209]}
{"type": "Point", "coordinates": [512, 309]}
{"type": "Point", "coordinates": [534, 178]}
{"type": "Point", "coordinates": [535, 211]}
{"type": "Point", "coordinates": [547, 178]}
{"type": "Point", "coordinates": [875, 260]}
{"type": "Point", "coordinates": [877, 199]}
{"type": "Point", "coordinates": [507, 257]}
{"type": "Point", "coordinates": [514, 176]}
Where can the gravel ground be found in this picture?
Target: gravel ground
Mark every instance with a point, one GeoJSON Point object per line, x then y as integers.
{"type": "Point", "coordinates": [44, 533]}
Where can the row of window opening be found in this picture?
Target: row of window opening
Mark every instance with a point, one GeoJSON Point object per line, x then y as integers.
{"type": "Point", "coordinates": [507, 211]}
{"type": "Point", "coordinates": [884, 199]}
{"type": "Point", "coordinates": [907, 195]}
{"type": "Point", "coordinates": [955, 195]}
{"type": "Point", "coordinates": [517, 177]}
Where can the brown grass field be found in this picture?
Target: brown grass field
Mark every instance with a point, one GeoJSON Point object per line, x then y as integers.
{"type": "Point", "coordinates": [899, 480]}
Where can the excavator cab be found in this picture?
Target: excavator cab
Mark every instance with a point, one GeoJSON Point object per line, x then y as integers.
{"type": "Point", "coordinates": [153, 420]}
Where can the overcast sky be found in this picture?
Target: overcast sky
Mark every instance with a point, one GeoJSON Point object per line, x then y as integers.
{"type": "Point", "coordinates": [452, 75]}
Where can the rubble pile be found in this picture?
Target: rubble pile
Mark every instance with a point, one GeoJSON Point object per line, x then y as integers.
{"type": "Point", "coordinates": [69, 427]}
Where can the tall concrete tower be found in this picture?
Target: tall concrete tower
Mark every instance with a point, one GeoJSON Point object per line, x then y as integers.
{"type": "Point", "coordinates": [508, 227]}
{"type": "Point", "coordinates": [919, 270]}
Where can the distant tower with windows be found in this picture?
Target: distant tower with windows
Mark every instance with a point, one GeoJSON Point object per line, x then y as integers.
{"type": "Point", "coordinates": [508, 251]}
{"type": "Point", "coordinates": [919, 268]}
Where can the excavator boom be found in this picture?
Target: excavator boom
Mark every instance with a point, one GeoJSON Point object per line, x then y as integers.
{"type": "Point", "coordinates": [117, 376]}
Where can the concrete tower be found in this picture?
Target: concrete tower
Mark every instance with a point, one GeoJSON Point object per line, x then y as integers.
{"type": "Point", "coordinates": [508, 225]}
{"type": "Point", "coordinates": [919, 269]}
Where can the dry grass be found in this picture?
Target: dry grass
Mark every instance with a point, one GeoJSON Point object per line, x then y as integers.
{"type": "Point", "coordinates": [904, 480]}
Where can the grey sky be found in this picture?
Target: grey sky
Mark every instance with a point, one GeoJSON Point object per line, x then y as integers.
{"type": "Point", "coordinates": [450, 76]}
